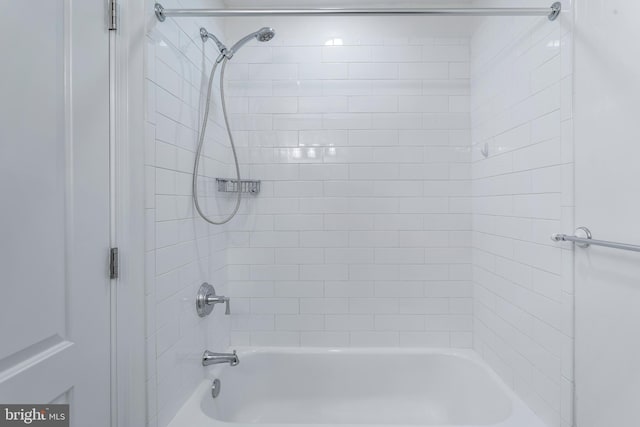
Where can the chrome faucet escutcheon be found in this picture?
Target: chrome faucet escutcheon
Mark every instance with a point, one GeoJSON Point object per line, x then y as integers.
{"type": "Point", "coordinates": [211, 358]}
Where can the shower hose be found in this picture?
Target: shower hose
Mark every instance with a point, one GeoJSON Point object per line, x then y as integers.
{"type": "Point", "coordinates": [196, 165]}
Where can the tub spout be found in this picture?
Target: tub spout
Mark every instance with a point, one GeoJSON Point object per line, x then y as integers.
{"type": "Point", "coordinates": [211, 358]}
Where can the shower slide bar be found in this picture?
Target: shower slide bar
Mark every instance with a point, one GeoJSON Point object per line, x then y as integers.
{"type": "Point", "coordinates": [583, 239]}
{"type": "Point", "coordinates": [550, 12]}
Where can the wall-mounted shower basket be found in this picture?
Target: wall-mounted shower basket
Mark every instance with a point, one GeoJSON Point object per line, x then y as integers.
{"type": "Point", "coordinates": [229, 185]}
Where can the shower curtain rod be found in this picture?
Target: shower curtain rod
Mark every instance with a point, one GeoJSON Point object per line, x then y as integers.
{"type": "Point", "coordinates": [551, 12]}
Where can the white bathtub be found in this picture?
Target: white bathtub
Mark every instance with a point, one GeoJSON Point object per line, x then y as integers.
{"type": "Point", "coordinates": [356, 387]}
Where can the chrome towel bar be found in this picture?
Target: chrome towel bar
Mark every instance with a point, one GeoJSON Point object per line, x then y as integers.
{"type": "Point", "coordinates": [583, 239]}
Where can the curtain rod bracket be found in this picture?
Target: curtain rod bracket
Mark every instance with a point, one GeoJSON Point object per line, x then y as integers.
{"type": "Point", "coordinates": [556, 8]}
{"type": "Point", "coordinates": [160, 12]}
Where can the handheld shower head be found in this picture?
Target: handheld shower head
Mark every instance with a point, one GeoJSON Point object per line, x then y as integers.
{"type": "Point", "coordinates": [264, 34]}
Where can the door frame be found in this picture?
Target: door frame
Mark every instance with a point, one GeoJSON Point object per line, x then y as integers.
{"type": "Point", "coordinates": [127, 140]}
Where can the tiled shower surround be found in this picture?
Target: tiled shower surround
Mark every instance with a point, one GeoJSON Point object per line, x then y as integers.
{"type": "Point", "coordinates": [379, 222]}
{"type": "Point", "coordinates": [361, 233]}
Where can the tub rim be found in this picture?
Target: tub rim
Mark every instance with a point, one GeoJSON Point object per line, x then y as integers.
{"type": "Point", "coordinates": [191, 414]}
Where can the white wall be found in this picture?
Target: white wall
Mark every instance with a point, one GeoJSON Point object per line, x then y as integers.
{"type": "Point", "coordinates": [182, 250]}
{"type": "Point", "coordinates": [607, 95]}
{"type": "Point", "coordinates": [361, 234]}
{"type": "Point", "coordinates": [522, 193]}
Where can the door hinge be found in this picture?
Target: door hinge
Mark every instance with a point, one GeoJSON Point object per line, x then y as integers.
{"type": "Point", "coordinates": [113, 15]}
{"type": "Point", "coordinates": [114, 268]}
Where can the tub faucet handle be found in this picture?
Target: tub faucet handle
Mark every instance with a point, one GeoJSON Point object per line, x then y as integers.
{"type": "Point", "coordinates": [218, 300]}
{"type": "Point", "coordinates": [207, 299]}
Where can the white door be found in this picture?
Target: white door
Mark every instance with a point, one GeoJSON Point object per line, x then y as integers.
{"type": "Point", "coordinates": [607, 149]}
{"type": "Point", "coordinates": [54, 213]}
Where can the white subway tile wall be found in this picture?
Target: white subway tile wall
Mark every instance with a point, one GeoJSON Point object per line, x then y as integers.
{"type": "Point", "coordinates": [379, 223]}
{"type": "Point", "coordinates": [361, 235]}
{"type": "Point", "coordinates": [182, 251]}
{"type": "Point", "coordinates": [521, 78]}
